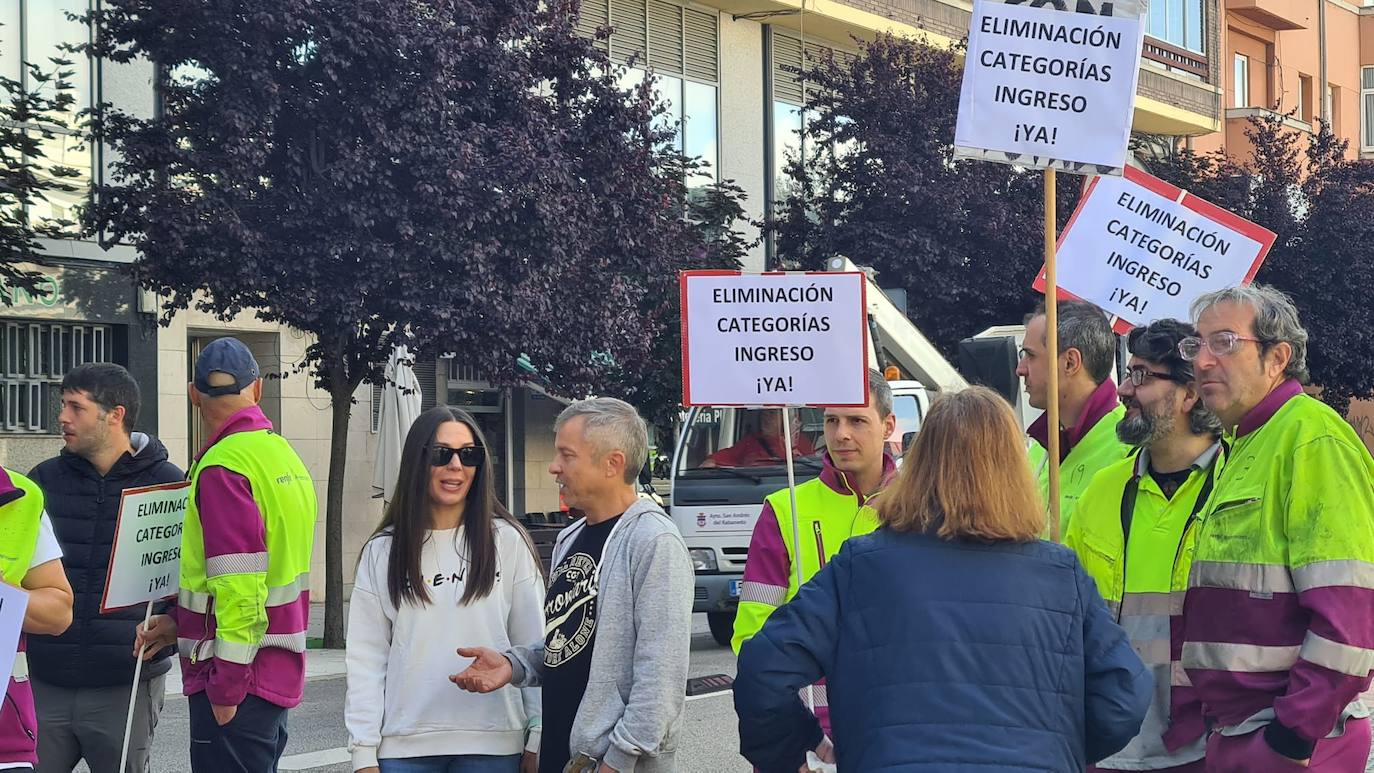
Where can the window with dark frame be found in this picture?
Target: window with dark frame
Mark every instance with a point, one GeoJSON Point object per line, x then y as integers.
{"type": "Point", "coordinates": [34, 356]}
{"type": "Point", "coordinates": [34, 31]}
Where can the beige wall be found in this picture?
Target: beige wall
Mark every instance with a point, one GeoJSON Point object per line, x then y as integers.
{"type": "Point", "coordinates": [1367, 38]}
{"type": "Point", "coordinates": [532, 471]}
{"type": "Point", "coordinates": [20, 453]}
{"type": "Point", "coordinates": [1256, 43]}
{"type": "Point", "coordinates": [741, 119]}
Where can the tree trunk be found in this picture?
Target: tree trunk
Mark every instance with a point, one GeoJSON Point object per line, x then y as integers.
{"type": "Point", "coordinates": [342, 398]}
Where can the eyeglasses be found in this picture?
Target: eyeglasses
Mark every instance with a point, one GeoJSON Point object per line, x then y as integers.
{"type": "Point", "coordinates": [1220, 344]}
{"type": "Point", "coordinates": [468, 456]}
{"type": "Point", "coordinates": [1139, 375]}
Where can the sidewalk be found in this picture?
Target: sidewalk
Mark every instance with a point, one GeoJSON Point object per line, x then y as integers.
{"type": "Point", "coordinates": [319, 663]}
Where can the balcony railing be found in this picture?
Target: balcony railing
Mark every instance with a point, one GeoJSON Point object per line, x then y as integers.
{"type": "Point", "coordinates": [1187, 61]}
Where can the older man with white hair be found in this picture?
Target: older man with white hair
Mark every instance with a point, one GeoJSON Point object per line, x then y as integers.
{"type": "Point", "coordinates": [613, 664]}
{"type": "Point", "coordinates": [1277, 625]}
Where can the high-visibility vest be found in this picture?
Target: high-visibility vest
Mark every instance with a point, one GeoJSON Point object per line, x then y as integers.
{"type": "Point", "coordinates": [1285, 550]}
{"type": "Point", "coordinates": [828, 518]}
{"type": "Point", "coordinates": [1144, 580]}
{"type": "Point", "coordinates": [1095, 450]}
{"type": "Point", "coordinates": [19, 523]}
{"type": "Point", "coordinates": [20, 520]}
{"type": "Point", "coordinates": [285, 496]}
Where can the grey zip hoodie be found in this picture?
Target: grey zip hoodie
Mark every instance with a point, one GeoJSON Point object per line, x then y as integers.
{"type": "Point", "coordinates": [631, 712]}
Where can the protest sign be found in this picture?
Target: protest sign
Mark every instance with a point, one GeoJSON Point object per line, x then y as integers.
{"type": "Point", "coordinates": [13, 603]}
{"type": "Point", "coordinates": [774, 339]}
{"type": "Point", "coordinates": [146, 558]}
{"type": "Point", "coordinates": [1143, 249]}
{"type": "Point", "coordinates": [1047, 88]}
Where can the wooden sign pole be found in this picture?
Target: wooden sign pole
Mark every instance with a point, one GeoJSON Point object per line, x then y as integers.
{"type": "Point", "coordinates": [1052, 350]}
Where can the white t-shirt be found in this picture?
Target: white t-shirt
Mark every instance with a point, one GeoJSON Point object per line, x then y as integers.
{"type": "Point", "coordinates": [47, 550]}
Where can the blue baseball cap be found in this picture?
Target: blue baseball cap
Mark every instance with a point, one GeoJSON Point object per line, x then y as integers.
{"type": "Point", "coordinates": [225, 355]}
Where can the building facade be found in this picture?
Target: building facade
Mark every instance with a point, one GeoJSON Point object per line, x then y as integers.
{"type": "Point", "coordinates": [1308, 60]}
{"type": "Point", "coordinates": [729, 70]}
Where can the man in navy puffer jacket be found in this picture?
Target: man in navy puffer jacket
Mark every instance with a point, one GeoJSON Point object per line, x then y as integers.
{"type": "Point", "coordinates": [82, 679]}
{"type": "Point", "coordinates": [944, 656]}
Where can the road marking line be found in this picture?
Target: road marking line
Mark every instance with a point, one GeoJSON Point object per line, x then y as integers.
{"type": "Point", "coordinates": [311, 760]}
{"type": "Point", "coordinates": [710, 695]}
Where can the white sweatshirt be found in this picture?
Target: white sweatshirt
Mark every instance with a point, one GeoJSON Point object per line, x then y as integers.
{"type": "Point", "coordinates": [400, 702]}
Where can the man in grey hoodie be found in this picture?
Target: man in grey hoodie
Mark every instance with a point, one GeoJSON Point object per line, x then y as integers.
{"type": "Point", "coordinates": [613, 663]}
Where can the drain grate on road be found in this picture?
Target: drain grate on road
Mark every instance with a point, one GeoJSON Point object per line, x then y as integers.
{"type": "Point", "coordinates": [705, 685]}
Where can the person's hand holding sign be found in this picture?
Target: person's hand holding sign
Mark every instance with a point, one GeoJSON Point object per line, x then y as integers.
{"type": "Point", "coordinates": [160, 633]}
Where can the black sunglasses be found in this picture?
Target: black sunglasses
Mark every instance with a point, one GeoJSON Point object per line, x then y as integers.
{"type": "Point", "coordinates": [468, 456]}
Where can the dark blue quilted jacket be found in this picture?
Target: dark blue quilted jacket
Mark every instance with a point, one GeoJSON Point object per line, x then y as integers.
{"type": "Point", "coordinates": [97, 650]}
{"type": "Point", "coordinates": [944, 656]}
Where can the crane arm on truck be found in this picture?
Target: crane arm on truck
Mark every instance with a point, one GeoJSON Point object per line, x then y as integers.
{"type": "Point", "coordinates": [895, 340]}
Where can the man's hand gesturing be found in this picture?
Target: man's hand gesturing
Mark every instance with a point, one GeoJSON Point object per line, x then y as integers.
{"type": "Point", "coordinates": [489, 670]}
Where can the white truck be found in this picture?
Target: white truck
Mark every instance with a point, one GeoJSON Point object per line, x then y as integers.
{"type": "Point", "coordinates": [724, 465]}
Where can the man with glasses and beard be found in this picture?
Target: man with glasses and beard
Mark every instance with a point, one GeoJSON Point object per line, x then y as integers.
{"type": "Point", "coordinates": [1133, 531]}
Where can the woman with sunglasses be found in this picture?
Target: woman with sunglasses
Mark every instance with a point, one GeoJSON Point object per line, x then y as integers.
{"type": "Point", "coordinates": [448, 564]}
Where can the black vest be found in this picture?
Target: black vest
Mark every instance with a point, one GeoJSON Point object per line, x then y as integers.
{"type": "Point", "coordinates": [97, 650]}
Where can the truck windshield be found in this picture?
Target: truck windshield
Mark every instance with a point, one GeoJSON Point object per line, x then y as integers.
{"type": "Point", "coordinates": [734, 438]}
{"type": "Point", "coordinates": [908, 412]}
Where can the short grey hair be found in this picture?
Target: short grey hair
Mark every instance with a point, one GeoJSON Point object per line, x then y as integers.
{"type": "Point", "coordinates": [1276, 320]}
{"type": "Point", "coordinates": [880, 393]}
{"type": "Point", "coordinates": [1085, 327]}
{"type": "Point", "coordinates": [611, 425]}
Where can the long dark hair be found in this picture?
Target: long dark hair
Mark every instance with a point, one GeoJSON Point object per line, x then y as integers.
{"type": "Point", "coordinates": [407, 517]}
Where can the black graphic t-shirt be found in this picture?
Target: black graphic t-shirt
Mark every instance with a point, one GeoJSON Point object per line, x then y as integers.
{"type": "Point", "coordinates": [569, 630]}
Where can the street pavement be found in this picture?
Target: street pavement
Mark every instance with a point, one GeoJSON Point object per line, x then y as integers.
{"type": "Point", "coordinates": [319, 743]}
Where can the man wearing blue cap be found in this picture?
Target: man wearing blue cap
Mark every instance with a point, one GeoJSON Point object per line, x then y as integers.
{"type": "Point", "coordinates": [244, 602]}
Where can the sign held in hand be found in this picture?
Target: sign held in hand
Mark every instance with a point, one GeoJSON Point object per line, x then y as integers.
{"type": "Point", "coordinates": [1049, 86]}
{"type": "Point", "coordinates": [146, 561]}
{"type": "Point", "coordinates": [1143, 249]}
{"type": "Point", "coordinates": [774, 339]}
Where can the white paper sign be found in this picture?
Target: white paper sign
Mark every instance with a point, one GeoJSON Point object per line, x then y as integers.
{"type": "Point", "coordinates": [145, 564]}
{"type": "Point", "coordinates": [13, 602]}
{"type": "Point", "coordinates": [774, 339]}
{"type": "Point", "coordinates": [1143, 249]}
{"type": "Point", "coordinates": [1050, 88]}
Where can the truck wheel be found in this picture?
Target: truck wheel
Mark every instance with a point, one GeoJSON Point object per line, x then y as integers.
{"type": "Point", "coordinates": [722, 626]}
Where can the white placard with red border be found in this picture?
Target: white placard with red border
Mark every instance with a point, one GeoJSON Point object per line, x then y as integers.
{"type": "Point", "coordinates": [145, 564]}
{"type": "Point", "coordinates": [1143, 249]}
{"type": "Point", "coordinates": [774, 338]}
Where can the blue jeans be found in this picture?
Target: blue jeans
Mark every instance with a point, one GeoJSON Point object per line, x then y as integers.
{"type": "Point", "coordinates": [452, 763]}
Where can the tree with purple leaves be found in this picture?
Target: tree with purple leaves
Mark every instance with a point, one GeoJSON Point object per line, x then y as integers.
{"type": "Point", "coordinates": [1321, 204]}
{"type": "Point", "coordinates": [453, 175]}
{"type": "Point", "coordinates": [879, 183]}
